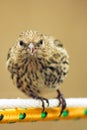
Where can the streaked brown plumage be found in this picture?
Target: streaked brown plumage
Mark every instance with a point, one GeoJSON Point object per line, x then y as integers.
{"type": "Point", "coordinates": [38, 64]}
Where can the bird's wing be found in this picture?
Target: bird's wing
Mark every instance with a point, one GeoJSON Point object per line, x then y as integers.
{"type": "Point", "coordinates": [58, 43]}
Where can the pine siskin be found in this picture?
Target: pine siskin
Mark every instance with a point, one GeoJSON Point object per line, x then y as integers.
{"type": "Point", "coordinates": [38, 64]}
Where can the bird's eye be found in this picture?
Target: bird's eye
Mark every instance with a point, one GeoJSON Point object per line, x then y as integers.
{"type": "Point", "coordinates": [21, 43]}
{"type": "Point", "coordinates": [40, 42]}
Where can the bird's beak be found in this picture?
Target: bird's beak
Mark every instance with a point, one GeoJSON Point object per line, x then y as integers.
{"type": "Point", "coordinates": [32, 49]}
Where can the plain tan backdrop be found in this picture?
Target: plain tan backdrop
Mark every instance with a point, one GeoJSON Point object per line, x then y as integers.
{"type": "Point", "coordinates": [64, 19]}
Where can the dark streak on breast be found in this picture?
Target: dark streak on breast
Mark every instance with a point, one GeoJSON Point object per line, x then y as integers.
{"type": "Point", "coordinates": [49, 79]}
{"type": "Point", "coordinates": [53, 61]}
{"type": "Point", "coordinates": [52, 68]}
{"type": "Point", "coordinates": [19, 83]}
{"type": "Point", "coordinates": [28, 86]}
{"type": "Point", "coordinates": [65, 62]}
{"type": "Point", "coordinates": [12, 75]}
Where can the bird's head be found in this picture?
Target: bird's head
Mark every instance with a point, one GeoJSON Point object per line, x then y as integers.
{"type": "Point", "coordinates": [32, 44]}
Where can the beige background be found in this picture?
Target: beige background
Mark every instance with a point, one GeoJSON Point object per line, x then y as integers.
{"type": "Point", "coordinates": [64, 19]}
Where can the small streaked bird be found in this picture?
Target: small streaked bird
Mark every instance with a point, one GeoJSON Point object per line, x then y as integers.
{"type": "Point", "coordinates": [38, 64]}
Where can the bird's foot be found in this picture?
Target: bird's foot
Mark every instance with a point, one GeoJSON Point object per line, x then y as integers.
{"type": "Point", "coordinates": [62, 102]}
{"type": "Point", "coordinates": [42, 100]}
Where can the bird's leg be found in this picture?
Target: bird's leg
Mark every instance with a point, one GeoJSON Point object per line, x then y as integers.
{"type": "Point", "coordinates": [34, 96]}
{"type": "Point", "coordinates": [62, 101]}
{"type": "Point", "coordinates": [42, 100]}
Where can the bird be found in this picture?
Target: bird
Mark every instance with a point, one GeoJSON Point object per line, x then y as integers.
{"type": "Point", "coordinates": [38, 64]}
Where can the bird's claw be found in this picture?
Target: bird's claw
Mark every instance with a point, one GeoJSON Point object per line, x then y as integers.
{"type": "Point", "coordinates": [62, 102]}
{"type": "Point", "coordinates": [43, 104]}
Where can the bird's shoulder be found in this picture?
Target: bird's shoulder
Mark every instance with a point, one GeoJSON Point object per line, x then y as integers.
{"type": "Point", "coordinates": [9, 53]}
{"type": "Point", "coordinates": [58, 43]}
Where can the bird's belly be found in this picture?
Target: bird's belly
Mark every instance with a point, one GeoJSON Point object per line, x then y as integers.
{"type": "Point", "coordinates": [37, 83]}
{"type": "Point", "coordinates": [44, 90]}
{"type": "Point", "coordinates": [45, 83]}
